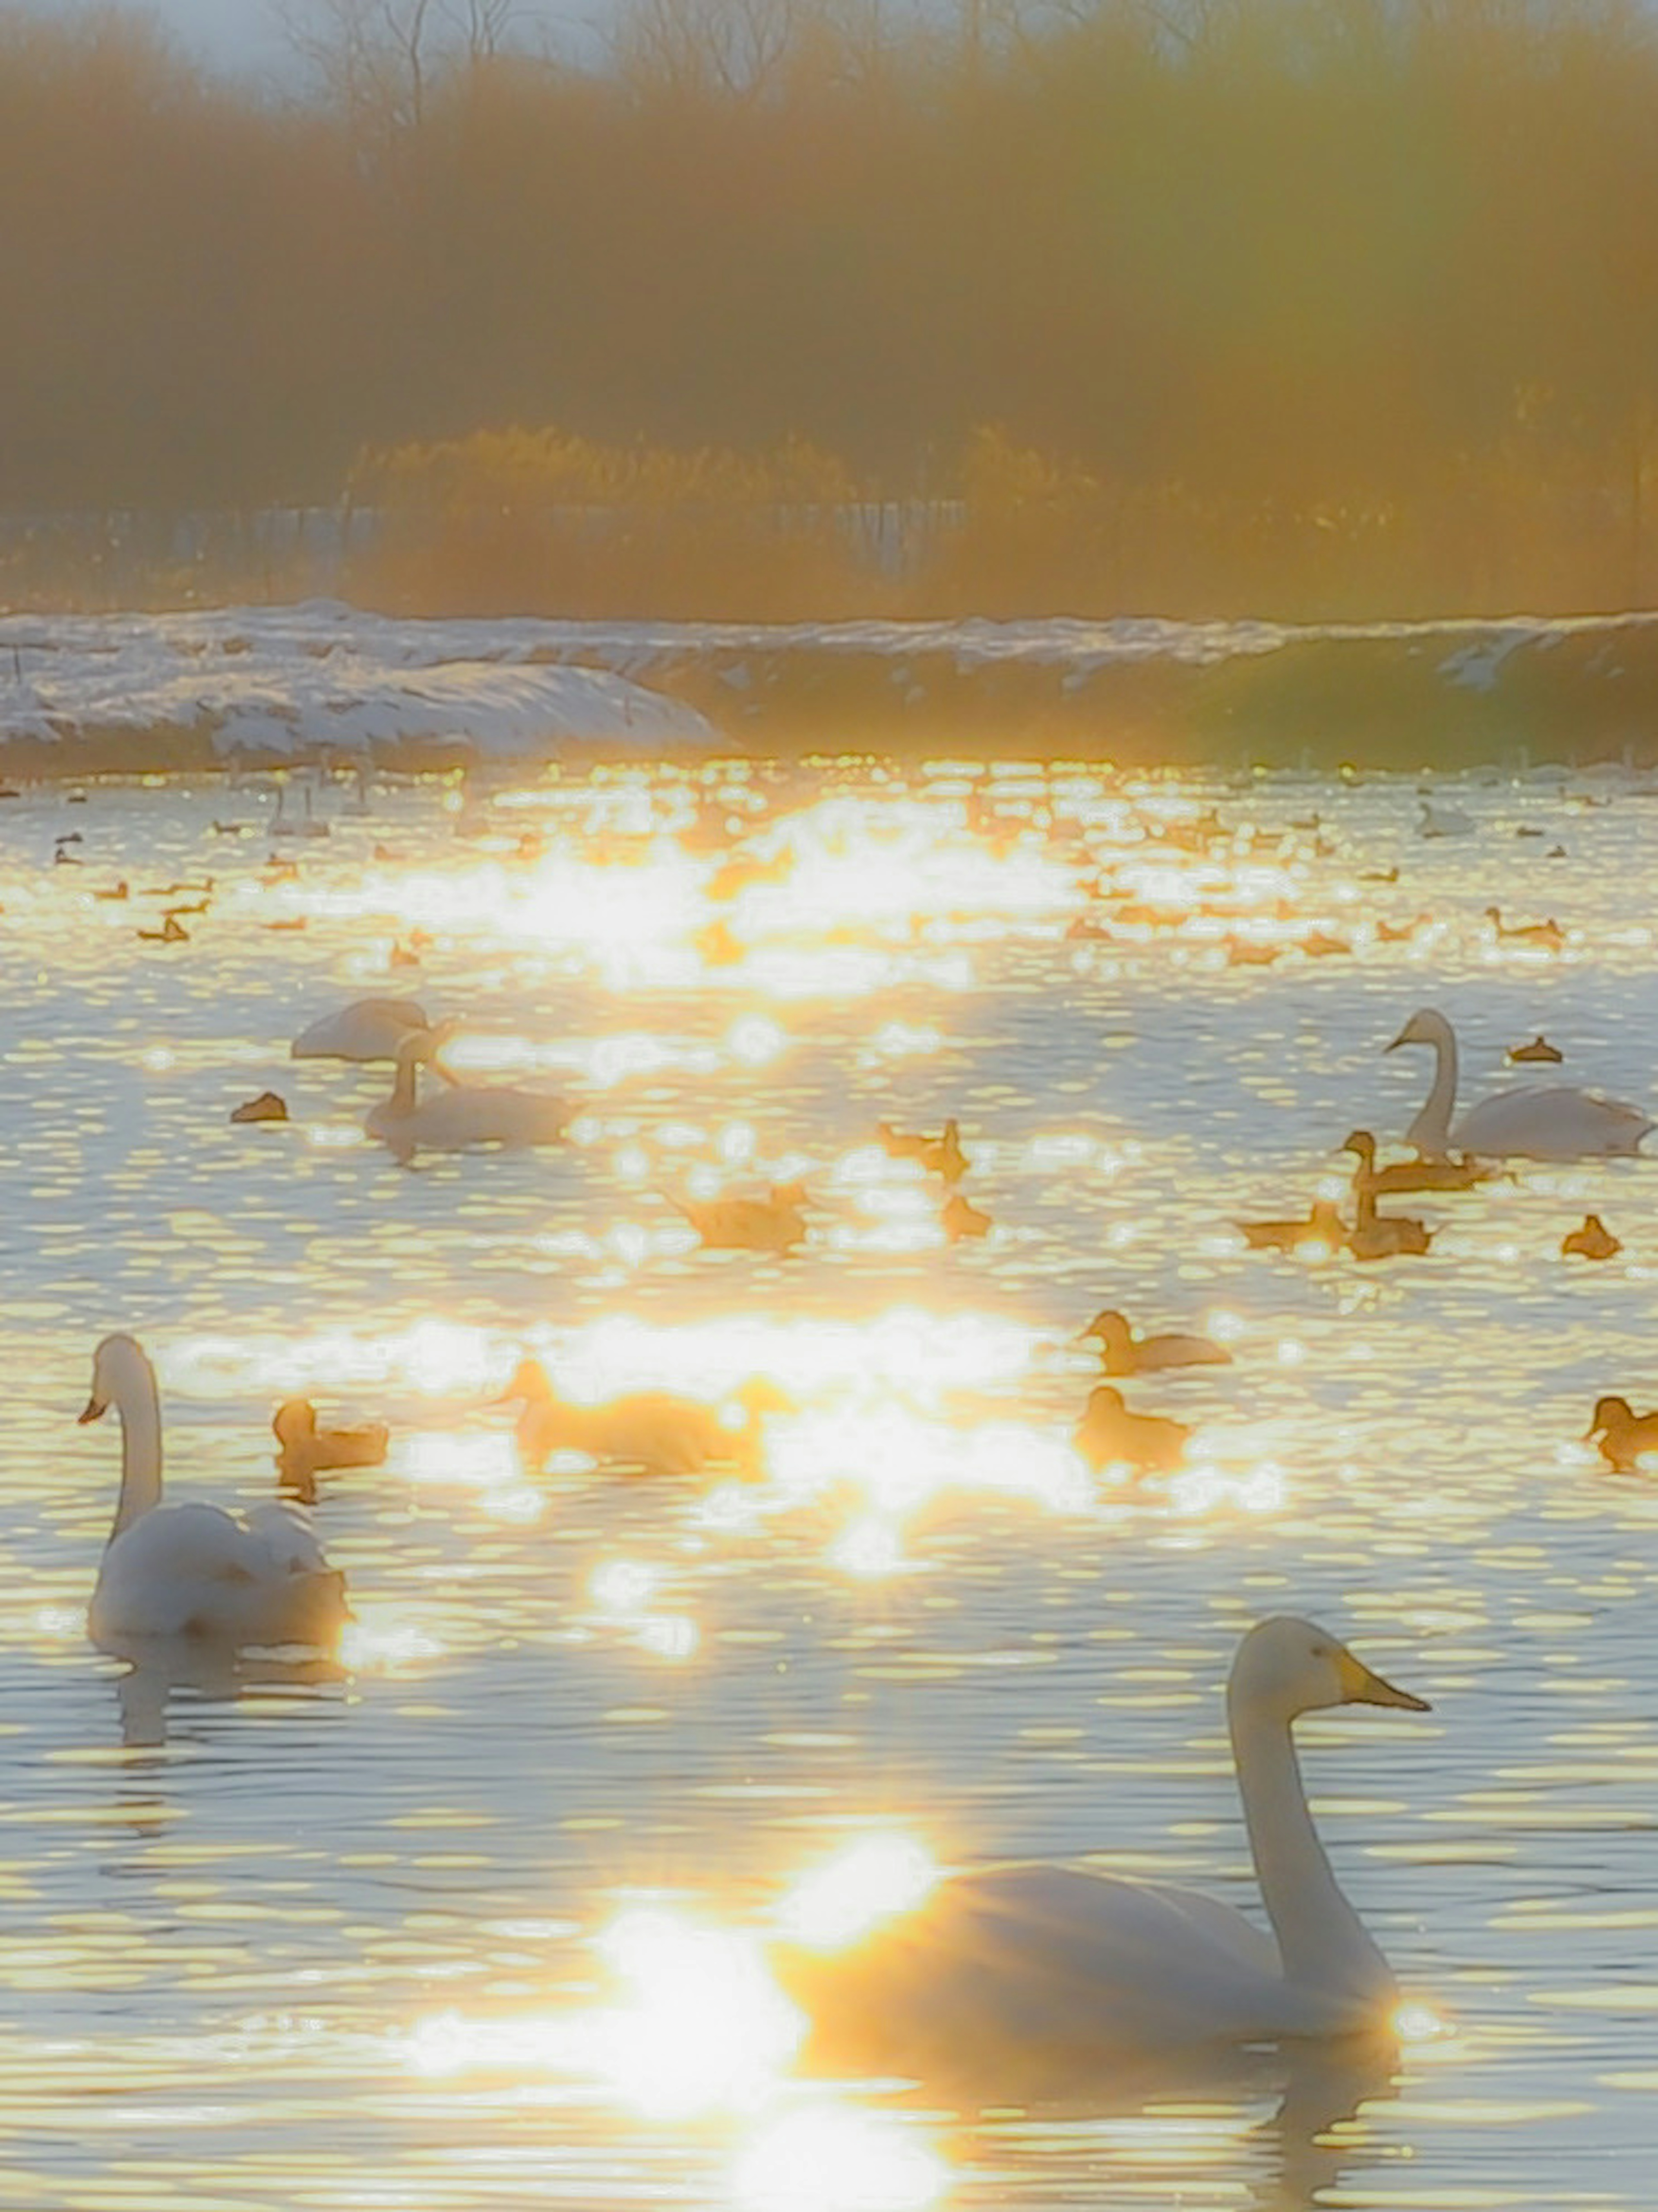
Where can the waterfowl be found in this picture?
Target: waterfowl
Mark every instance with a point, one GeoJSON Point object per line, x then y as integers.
{"type": "Point", "coordinates": [1547, 934]}
{"type": "Point", "coordinates": [958, 1218]}
{"type": "Point", "coordinates": [1323, 1225]}
{"type": "Point", "coordinates": [304, 1450]}
{"type": "Point", "coordinates": [1386, 1236]}
{"type": "Point", "coordinates": [194, 1569]}
{"type": "Point", "coordinates": [368, 1029]}
{"type": "Point", "coordinates": [269, 1106]}
{"type": "Point", "coordinates": [1122, 1353]}
{"type": "Point", "coordinates": [123, 890]}
{"type": "Point", "coordinates": [1595, 1241]}
{"type": "Point", "coordinates": [772, 1224]}
{"type": "Point", "coordinates": [1109, 1434]}
{"type": "Point", "coordinates": [940, 1155]}
{"type": "Point", "coordinates": [1540, 1048]}
{"type": "Point", "coordinates": [463, 1114]}
{"type": "Point", "coordinates": [1407, 1175]}
{"type": "Point", "coordinates": [1022, 1976]}
{"type": "Point", "coordinates": [1441, 820]}
{"type": "Point", "coordinates": [1624, 1436]}
{"type": "Point", "coordinates": [1546, 1124]}
{"type": "Point", "coordinates": [652, 1430]}
{"type": "Point", "coordinates": [172, 932]}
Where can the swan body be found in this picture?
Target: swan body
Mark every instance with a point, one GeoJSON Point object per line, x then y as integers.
{"type": "Point", "coordinates": [1625, 1436]}
{"type": "Point", "coordinates": [304, 1450]}
{"type": "Point", "coordinates": [368, 1029]}
{"type": "Point", "coordinates": [1547, 1123]}
{"type": "Point", "coordinates": [1594, 1241]}
{"type": "Point", "coordinates": [1021, 1971]}
{"type": "Point", "coordinates": [1122, 1353]}
{"type": "Point", "coordinates": [463, 1113]}
{"type": "Point", "coordinates": [1109, 1435]}
{"type": "Point", "coordinates": [194, 1569]}
{"type": "Point", "coordinates": [1442, 821]}
{"type": "Point", "coordinates": [652, 1430]}
{"type": "Point", "coordinates": [772, 1224]}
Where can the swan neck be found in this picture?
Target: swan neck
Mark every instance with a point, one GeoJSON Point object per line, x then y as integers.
{"type": "Point", "coordinates": [139, 1407]}
{"type": "Point", "coordinates": [1321, 1941]}
{"type": "Point", "coordinates": [1431, 1132]}
{"type": "Point", "coordinates": [403, 1086]}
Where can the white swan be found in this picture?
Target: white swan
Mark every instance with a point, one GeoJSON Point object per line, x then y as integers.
{"type": "Point", "coordinates": [463, 1114]}
{"type": "Point", "coordinates": [194, 1569]}
{"type": "Point", "coordinates": [1035, 1967]}
{"type": "Point", "coordinates": [368, 1029]}
{"type": "Point", "coordinates": [1541, 1122]}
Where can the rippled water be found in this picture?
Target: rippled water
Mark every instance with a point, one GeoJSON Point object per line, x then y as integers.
{"type": "Point", "coordinates": [471, 1922]}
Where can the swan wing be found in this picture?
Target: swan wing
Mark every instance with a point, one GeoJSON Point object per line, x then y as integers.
{"type": "Point", "coordinates": [1550, 1122]}
{"type": "Point", "coordinates": [195, 1568]}
{"type": "Point", "coordinates": [486, 1113]}
{"type": "Point", "coordinates": [368, 1029]}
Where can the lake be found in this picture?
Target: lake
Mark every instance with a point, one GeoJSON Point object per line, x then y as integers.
{"type": "Point", "coordinates": [478, 1919]}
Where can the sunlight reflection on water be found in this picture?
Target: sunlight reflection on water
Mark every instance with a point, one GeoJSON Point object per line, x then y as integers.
{"type": "Point", "coordinates": [280, 1936]}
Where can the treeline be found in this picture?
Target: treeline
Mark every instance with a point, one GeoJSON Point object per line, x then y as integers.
{"type": "Point", "coordinates": [1298, 308]}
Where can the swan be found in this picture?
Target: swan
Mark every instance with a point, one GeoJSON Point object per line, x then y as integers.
{"type": "Point", "coordinates": [1109, 1435]}
{"type": "Point", "coordinates": [1122, 1353]}
{"type": "Point", "coordinates": [304, 1450]}
{"type": "Point", "coordinates": [648, 1429]}
{"type": "Point", "coordinates": [1542, 1124]}
{"type": "Point", "coordinates": [463, 1114]}
{"type": "Point", "coordinates": [1407, 1175]}
{"type": "Point", "coordinates": [1625, 1436]}
{"type": "Point", "coordinates": [772, 1224]}
{"type": "Point", "coordinates": [1442, 821]}
{"type": "Point", "coordinates": [368, 1029]}
{"type": "Point", "coordinates": [169, 1570]}
{"type": "Point", "coordinates": [1595, 1241]}
{"type": "Point", "coordinates": [942, 1154]}
{"type": "Point", "coordinates": [1032, 1970]}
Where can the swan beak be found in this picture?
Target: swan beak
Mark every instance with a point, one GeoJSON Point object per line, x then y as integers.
{"type": "Point", "coordinates": [1362, 1688]}
{"type": "Point", "coordinates": [94, 1411]}
{"type": "Point", "coordinates": [1400, 1039]}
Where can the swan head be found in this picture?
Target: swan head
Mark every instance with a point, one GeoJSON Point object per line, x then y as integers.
{"type": "Point", "coordinates": [530, 1382]}
{"type": "Point", "coordinates": [1609, 1413]}
{"type": "Point", "coordinates": [1286, 1666]}
{"type": "Point", "coordinates": [117, 1364]}
{"type": "Point", "coordinates": [1361, 1143]}
{"type": "Point", "coordinates": [1103, 1399]}
{"type": "Point", "coordinates": [1427, 1025]}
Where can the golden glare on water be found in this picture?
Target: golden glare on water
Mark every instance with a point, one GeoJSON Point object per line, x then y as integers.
{"type": "Point", "coordinates": [867, 1581]}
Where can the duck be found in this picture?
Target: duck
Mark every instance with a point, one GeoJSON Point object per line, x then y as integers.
{"type": "Point", "coordinates": [1322, 1224]}
{"type": "Point", "coordinates": [258, 1579]}
{"type": "Point", "coordinates": [1536, 1123]}
{"type": "Point", "coordinates": [1376, 1236]}
{"type": "Point", "coordinates": [1625, 1436]}
{"type": "Point", "coordinates": [463, 1114]}
{"type": "Point", "coordinates": [1030, 1975]}
{"type": "Point", "coordinates": [269, 1106]}
{"type": "Point", "coordinates": [1442, 821]}
{"type": "Point", "coordinates": [367, 1030]}
{"type": "Point", "coordinates": [172, 932]}
{"type": "Point", "coordinates": [1540, 1048]}
{"type": "Point", "coordinates": [304, 1450]}
{"type": "Point", "coordinates": [123, 890]}
{"type": "Point", "coordinates": [1109, 1434]}
{"type": "Point", "coordinates": [958, 1218]}
{"type": "Point", "coordinates": [650, 1430]}
{"type": "Point", "coordinates": [1407, 1175]}
{"type": "Point", "coordinates": [772, 1224]}
{"type": "Point", "coordinates": [1547, 934]}
{"type": "Point", "coordinates": [1122, 1353]}
{"type": "Point", "coordinates": [940, 1155]}
{"type": "Point", "coordinates": [1594, 1241]}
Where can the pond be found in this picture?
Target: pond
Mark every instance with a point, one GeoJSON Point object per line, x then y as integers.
{"type": "Point", "coordinates": [483, 1916]}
